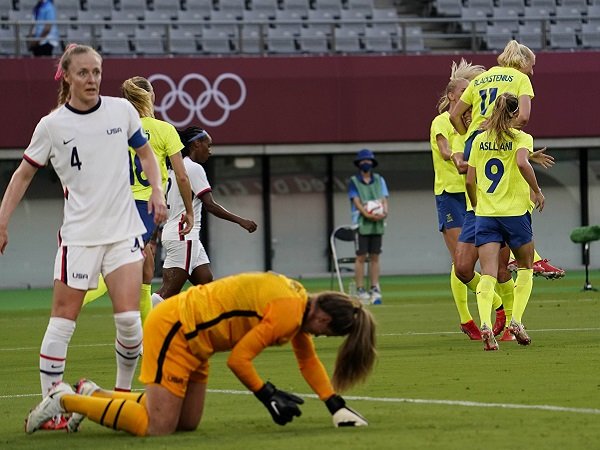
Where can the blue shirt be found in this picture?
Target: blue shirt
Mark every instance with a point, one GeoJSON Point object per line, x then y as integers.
{"type": "Point", "coordinates": [46, 12]}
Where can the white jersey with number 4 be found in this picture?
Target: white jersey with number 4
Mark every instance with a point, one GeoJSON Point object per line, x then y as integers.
{"type": "Point", "coordinates": [200, 185]}
{"type": "Point", "coordinates": [89, 152]}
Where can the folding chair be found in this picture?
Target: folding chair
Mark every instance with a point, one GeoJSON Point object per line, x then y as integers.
{"type": "Point", "coordinates": [586, 235]}
{"type": "Point", "coordinates": [347, 234]}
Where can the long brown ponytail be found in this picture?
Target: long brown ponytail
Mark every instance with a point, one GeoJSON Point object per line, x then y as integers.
{"type": "Point", "coordinates": [357, 354]}
{"type": "Point", "coordinates": [499, 123]}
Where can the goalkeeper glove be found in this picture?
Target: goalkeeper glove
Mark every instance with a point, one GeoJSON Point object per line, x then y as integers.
{"type": "Point", "coordinates": [344, 416]}
{"type": "Point", "coordinates": [282, 405]}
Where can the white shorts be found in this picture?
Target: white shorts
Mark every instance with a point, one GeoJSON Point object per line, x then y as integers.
{"type": "Point", "coordinates": [79, 266]}
{"type": "Point", "coordinates": [186, 255]}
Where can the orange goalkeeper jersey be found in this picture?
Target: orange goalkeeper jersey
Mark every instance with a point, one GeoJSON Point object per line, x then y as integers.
{"type": "Point", "coordinates": [246, 313]}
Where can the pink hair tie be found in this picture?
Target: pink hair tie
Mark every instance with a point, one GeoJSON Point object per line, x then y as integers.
{"type": "Point", "coordinates": [59, 72]}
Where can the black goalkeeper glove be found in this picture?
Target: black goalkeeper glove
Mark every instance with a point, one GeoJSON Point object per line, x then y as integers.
{"type": "Point", "coordinates": [344, 416]}
{"type": "Point", "coordinates": [282, 405]}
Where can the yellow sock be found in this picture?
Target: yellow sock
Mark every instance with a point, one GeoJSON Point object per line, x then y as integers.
{"type": "Point", "coordinates": [95, 294]}
{"type": "Point", "coordinates": [536, 256]}
{"type": "Point", "coordinates": [459, 292]}
{"type": "Point", "coordinates": [145, 301]}
{"type": "Point", "coordinates": [506, 291]}
{"type": "Point", "coordinates": [472, 285]}
{"type": "Point", "coordinates": [485, 297]}
{"type": "Point", "coordinates": [512, 256]}
{"type": "Point", "coordinates": [523, 286]}
{"type": "Point", "coordinates": [115, 413]}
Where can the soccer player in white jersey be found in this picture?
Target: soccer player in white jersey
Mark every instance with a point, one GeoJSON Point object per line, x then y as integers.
{"type": "Point", "coordinates": [186, 257]}
{"type": "Point", "coordinates": [86, 138]}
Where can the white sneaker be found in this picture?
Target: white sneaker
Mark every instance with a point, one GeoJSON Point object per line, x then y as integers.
{"type": "Point", "coordinates": [48, 408]}
{"type": "Point", "coordinates": [82, 387]}
{"type": "Point", "coordinates": [376, 297]}
{"type": "Point", "coordinates": [364, 296]}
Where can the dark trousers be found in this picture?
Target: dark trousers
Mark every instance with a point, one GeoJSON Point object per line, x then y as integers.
{"type": "Point", "coordinates": [42, 50]}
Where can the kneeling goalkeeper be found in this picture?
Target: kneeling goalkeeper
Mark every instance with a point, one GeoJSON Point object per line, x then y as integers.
{"type": "Point", "coordinates": [243, 313]}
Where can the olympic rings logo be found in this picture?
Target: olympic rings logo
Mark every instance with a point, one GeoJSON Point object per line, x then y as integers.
{"type": "Point", "coordinates": [196, 107]}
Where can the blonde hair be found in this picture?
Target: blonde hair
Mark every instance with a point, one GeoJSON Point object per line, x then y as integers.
{"type": "Point", "coordinates": [516, 55]}
{"type": "Point", "coordinates": [458, 72]}
{"type": "Point", "coordinates": [356, 356]}
{"type": "Point", "coordinates": [138, 91]}
{"type": "Point", "coordinates": [64, 90]}
{"type": "Point", "coordinates": [499, 123]}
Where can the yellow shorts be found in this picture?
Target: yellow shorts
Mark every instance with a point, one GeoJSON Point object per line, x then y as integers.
{"type": "Point", "coordinates": [167, 358]}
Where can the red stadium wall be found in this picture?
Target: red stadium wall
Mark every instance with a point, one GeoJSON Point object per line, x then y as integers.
{"type": "Point", "coordinates": [308, 100]}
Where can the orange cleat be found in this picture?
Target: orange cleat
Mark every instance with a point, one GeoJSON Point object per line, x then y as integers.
{"type": "Point", "coordinates": [471, 330]}
{"type": "Point", "coordinates": [500, 322]}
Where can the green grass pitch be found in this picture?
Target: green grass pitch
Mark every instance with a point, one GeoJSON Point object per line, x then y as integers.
{"type": "Point", "coordinates": [432, 388]}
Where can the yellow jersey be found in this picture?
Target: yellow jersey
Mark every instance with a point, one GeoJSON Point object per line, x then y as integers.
{"type": "Point", "coordinates": [246, 313]}
{"type": "Point", "coordinates": [165, 142]}
{"type": "Point", "coordinates": [457, 145]}
{"type": "Point", "coordinates": [501, 189]}
{"type": "Point", "coordinates": [482, 91]}
{"type": "Point", "coordinates": [446, 176]}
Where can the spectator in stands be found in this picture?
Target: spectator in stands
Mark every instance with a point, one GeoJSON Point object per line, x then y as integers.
{"type": "Point", "coordinates": [367, 188]}
{"type": "Point", "coordinates": [86, 138]}
{"type": "Point", "coordinates": [243, 314]}
{"type": "Point", "coordinates": [499, 179]}
{"type": "Point", "coordinates": [186, 257]}
{"type": "Point", "coordinates": [43, 36]}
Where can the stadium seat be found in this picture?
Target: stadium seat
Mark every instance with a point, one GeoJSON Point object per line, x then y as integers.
{"type": "Point", "coordinates": [67, 9]}
{"type": "Point", "coordinates": [365, 7]}
{"type": "Point", "coordinates": [473, 17]}
{"type": "Point", "coordinates": [517, 5]}
{"type": "Point", "coordinates": [170, 6]}
{"type": "Point", "coordinates": [224, 21]}
{"type": "Point", "coordinates": [389, 16]}
{"type": "Point", "coordinates": [135, 7]}
{"type": "Point", "coordinates": [414, 39]}
{"type": "Point", "coordinates": [448, 7]}
{"type": "Point", "coordinates": [234, 7]}
{"type": "Point", "coordinates": [92, 16]}
{"type": "Point", "coordinates": [353, 20]}
{"type": "Point", "coordinates": [196, 9]}
{"type": "Point", "coordinates": [548, 5]}
{"type": "Point", "coordinates": [378, 40]}
{"type": "Point", "coordinates": [251, 42]}
{"type": "Point", "coordinates": [568, 17]}
{"type": "Point", "coordinates": [562, 37]}
{"type": "Point", "coordinates": [590, 35]}
{"type": "Point", "coordinates": [102, 8]}
{"type": "Point", "coordinates": [531, 35]}
{"type": "Point", "coordinates": [580, 5]}
{"type": "Point", "coordinates": [593, 14]}
{"type": "Point", "coordinates": [82, 35]}
{"type": "Point", "coordinates": [321, 20]}
{"type": "Point", "coordinates": [313, 40]}
{"type": "Point", "coordinates": [182, 41]}
{"type": "Point", "coordinates": [8, 42]}
{"type": "Point", "coordinates": [289, 19]}
{"type": "Point", "coordinates": [280, 41]}
{"type": "Point", "coordinates": [255, 20]}
{"type": "Point", "coordinates": [300, 6]}
{"type": "Point", "coordinates": [114, 42]}
{"type": "Point", "coordinates": [506, 17]}
{"type": "Point", "coordinates": [157, 20]}
{"type": "Point", "coordinates": [21, 14]}
{"type": "Point", "coordinates": [497, 36]}
{"type": "Point", "coordinates": [534, 14]}
{"type": "Point", "coordinates": [483, 5]}
{"type": "Point", "coordinates": [333, 7]}
{"type": "Point", "coordinates": [268, 7]}
{"type": "Point", "coordinates": [148, 41]}
{"type": "Point", "coordinates": [215, 41]}
{"type": "Point", "coordinates": [346, 40]}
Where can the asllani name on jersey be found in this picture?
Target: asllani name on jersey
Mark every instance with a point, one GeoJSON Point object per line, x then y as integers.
{"type": "Point", "coordinates": [502, 146]}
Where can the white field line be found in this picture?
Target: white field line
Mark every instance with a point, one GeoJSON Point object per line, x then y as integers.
{"type": "Point", "coordinates": [407, 333]}
{"type": "Point", "coordinates": [469, 404]}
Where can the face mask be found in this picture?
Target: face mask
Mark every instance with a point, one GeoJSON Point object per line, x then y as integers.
{"type": "Point", "coordinates": [365, 166]}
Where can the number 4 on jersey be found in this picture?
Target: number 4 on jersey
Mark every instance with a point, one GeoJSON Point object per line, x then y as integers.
{"type": "Point", "coordinates": [75, 162]}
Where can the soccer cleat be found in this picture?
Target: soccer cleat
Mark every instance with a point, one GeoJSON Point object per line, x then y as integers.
{"type": "Point", "coordinates": [48, 408]}
{"type": "Point", "coordinates": [500, 322]}
{"type": "Point", "coordinates": [489, 341]}
{"type": "Point", "coordinates": [507, 335]}
{"type": "Point", "coordinates": [518, 331]}
{"type": "Point", "coordinates": [57, 423]}
{"type": "Point", "coordinates": [512, 265]}
{"type": "Point", "coordinates": [375, 294]}
{"type": "Point", "coordinates": [543, 268]}
{"type": "Point", "coordinates": [471, 330]}
{"type": "Point", "coordinates": [82, 387]}
{"type": "Point", "coordinates": [363, 296]}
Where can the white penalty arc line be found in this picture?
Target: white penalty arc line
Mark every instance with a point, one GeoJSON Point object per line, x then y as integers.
{"type": "Point", "coordinates": [420, 401]}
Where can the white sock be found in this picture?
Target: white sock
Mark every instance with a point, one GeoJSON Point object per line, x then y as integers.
{"type": "Point", "coordinates": [156, 299]}
{"type": "Point", "coordinates": [53, 352]}
{"type": "Point", "coordinates": [127, 347]}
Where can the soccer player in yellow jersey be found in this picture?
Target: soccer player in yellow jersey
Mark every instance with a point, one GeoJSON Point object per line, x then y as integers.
{"type": "Point", "coordinates": [499, 179]}
{"type": "Point", "coordinates": [450, 195]}
{"type": "Point", "coordinates": [242, 314]}
{"type": "Point", "coordinates": [165, 142]}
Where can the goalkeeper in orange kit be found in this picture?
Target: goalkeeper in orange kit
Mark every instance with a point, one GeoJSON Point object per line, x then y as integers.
{"type": "Point", "coordinates": [242, 313]}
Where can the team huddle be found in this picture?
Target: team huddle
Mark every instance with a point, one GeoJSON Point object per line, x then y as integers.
{"type": "Point", "coordinates": [486, 215]}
